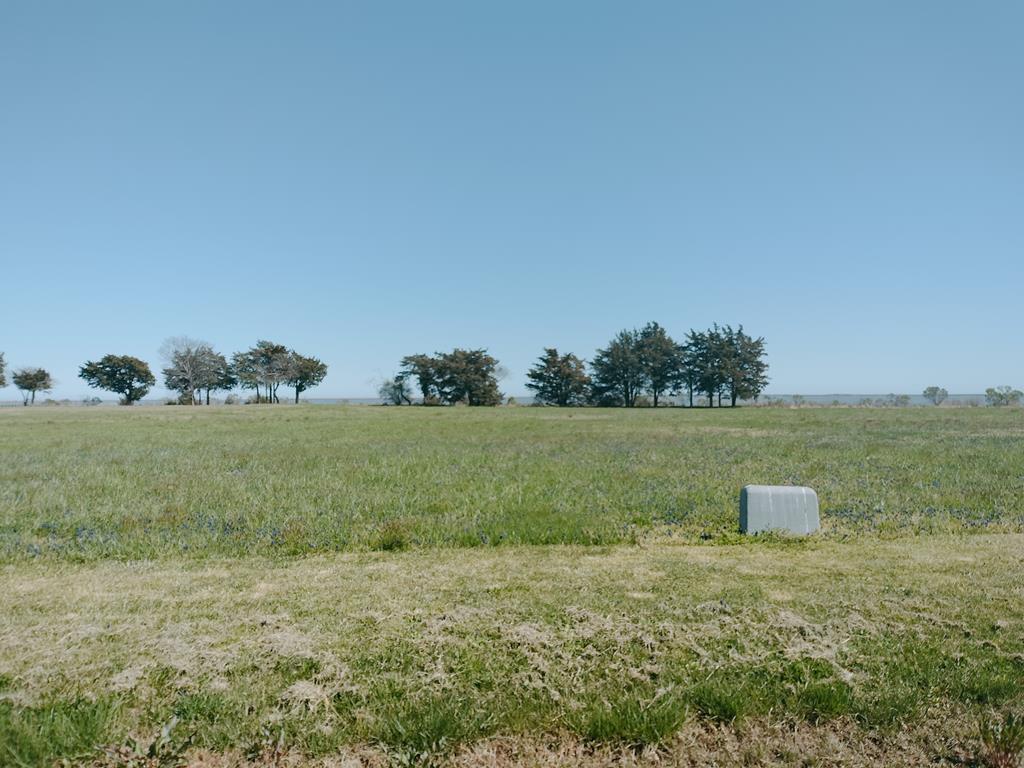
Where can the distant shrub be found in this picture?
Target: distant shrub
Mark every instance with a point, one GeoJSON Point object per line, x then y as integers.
{"type": "Point", "coordinates": [1002, 396]}
{"type": "Point", "coordinates": [896, 401]}
{"type": "Point", "coordinates": [232, 399]}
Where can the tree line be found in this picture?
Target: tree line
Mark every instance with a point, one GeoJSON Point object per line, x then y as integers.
{"type": "Point", "coordinates": [192, 368]}
{"type": "Point", "coordinates": [718, 362]}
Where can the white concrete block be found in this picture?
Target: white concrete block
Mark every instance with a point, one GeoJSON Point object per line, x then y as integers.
{"type": "Point", "coordinates": [787, 508]}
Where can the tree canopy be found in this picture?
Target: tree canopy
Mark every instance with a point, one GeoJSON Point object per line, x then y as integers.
{"type": "Point", "coordinates": [304, 372]}
{"type": "Point", "coordinates": [266, 365]}
{"type": "Point", "coordinates": [468, 376]}
{"type": "Point", "coordinates": [122, 374]}
{"type": "Point", "coordinates": [935, 395]}
{"type": "Point", "coordinates": [1002, 396]}
{"type": "Point", "coordinates": [559, 379]}
{"type": "Point", "coordinates": [745, 373]}
{"type": "Point", "coordinates": [395, 391]}
{"type": "Point", "coordinates": [724, 361]}
{"type": "Point", "coordinates": [661, 361]}
{"type": "Point", "coordinates": [192, 367]}
{"type": "Point", "coordinates": [424, 369]}
{"type": "Point", "coordinates": [619, 375]}
{"type": "Point", "coordinates": [719, 361]}
{"type": "Point", "coordinates": [30, 381]}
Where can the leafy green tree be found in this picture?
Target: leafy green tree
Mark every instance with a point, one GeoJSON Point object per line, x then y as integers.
{"type": "Point", "coordinates": [267, 364]}
{"type": "Point", "coordinates": [30, 381]}
{"type": "Point", "coordinates": [618, 372]}
{"type": "Point", "coordinates": [1002, 396]}
{"type": "Point", "coordinates": [691, 362]}
{"type": "Point", "coordinates": [246, 370]}
{"type": "Point", "coordinates": [709, 356]}
{"type": "Point", "coordinates": [661, 360]}
{"type": "Point", "coordinates": [423, 368]}
{"type": "Point", "coordinates": [122, 374]}
{"type": "Point", "coordinates": [559, 379]}
{"type": "Point", "coordinates": [744, 371]}
{"type": "Point", "coordinates": [468, 376]}
{"type": "Point", "coordinates": [220, 375]}
{"type": "Point", "coordinates": [396, 391]}
{"type": "Point", "coordinates": [935, 395]}
{"type": "Point", "coordinates": [723, 360]}
{"type": "Point", "coordinates": [304, 373]}
{"type": "Point", "coordinates": [3, 371]}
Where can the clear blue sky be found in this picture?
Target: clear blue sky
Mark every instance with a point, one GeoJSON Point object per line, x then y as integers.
{"type": "Point", "coordinates": [365, 180]}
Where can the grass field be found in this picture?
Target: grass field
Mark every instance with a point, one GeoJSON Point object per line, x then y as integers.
{"type": "Point", "coordinates": [91, 483]}
{"type": "Point", "coordinates": [319, 585]}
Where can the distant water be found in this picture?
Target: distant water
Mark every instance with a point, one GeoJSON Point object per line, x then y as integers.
{"type": "Point", "coordinates": [858, 399]}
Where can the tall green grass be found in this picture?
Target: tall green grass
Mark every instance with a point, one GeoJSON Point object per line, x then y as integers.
{"type": "Point", "coordinates": [150, 482]}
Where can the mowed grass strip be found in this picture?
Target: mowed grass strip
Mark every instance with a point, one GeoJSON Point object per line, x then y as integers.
{"type": "Point", "coordinates": [436, 656]}
{"type": "Point", "coordinates": [152, 482]}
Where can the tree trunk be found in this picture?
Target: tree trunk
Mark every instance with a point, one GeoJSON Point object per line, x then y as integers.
{"type": "Point", "coordinates": [733, 397]}
{"type": "Point", "coordinates": [297, 390]}
{"type": "Point", "coordinates": [655, 398]}
{"type": "Point", "coordinates": [207, 395]}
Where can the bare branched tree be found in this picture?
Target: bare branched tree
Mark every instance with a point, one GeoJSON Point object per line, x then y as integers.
{"type": "Point", "coordinates": [191, 366]}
